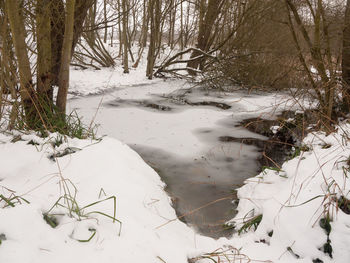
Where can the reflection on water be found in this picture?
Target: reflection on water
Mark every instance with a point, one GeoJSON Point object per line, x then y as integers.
{"type": "Point", "coordinates": [204, 184]}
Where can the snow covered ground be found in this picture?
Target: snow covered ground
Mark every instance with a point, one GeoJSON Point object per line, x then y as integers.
{"type": "Point", "coordinates": [141, 205]}
{"type": "Point", "coordinates": [294, 200]}
{"type": "Point", "coordinates": [289, 203]}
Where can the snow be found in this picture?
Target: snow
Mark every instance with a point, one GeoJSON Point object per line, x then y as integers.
{"type": "Point", "coordinates": [291, 201]}
{"type": "Point", "coordinates": [142, 206]}
{"type": "Point", "coordinates": [173, 130]}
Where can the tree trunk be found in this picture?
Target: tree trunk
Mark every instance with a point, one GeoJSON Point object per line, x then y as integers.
{"type": "Point", "coordinates": [27, 92]}
{"type": "Point", "coordinates": [80, 12]}
{"type": "Point", "coordinates": [63, 79]}
{"type": "Point", "coordinates": [8, 70]}
{"type": "Point", "coordinates": [154, 12]}
{"type": "Point", "coordinates": [43, 30]}
{"type": "Point", "coordinates": [120, 34]}
{"type": "Point", "coordinates": [125, 37]}
{"type": "Point", "coordinates": [145, 23]}
{"type": "Point", "coordinates": [181, 27]}
{"type": "Point", "coordinates": [57, 33]}
{"type": "Point", "coordinates": [105, 18]}
{"type": "Point", "coordinates": [152, 41]}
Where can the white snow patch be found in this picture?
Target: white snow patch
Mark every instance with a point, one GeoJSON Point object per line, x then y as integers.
{"type": "Point", "coordinates": [109, 167]}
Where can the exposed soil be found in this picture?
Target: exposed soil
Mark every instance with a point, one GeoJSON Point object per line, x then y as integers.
{"type": "Point", "coordinates": [273, 152]}
{"type": "Point", "coordinates": [292, 129]}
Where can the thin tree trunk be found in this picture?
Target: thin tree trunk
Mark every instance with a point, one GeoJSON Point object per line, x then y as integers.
{"type": "Point", "coordinates": [125, 37]}
{"type": "Point", "coordinates": [8, 79]}
{"type": "Point", "coordinates": [105, 18]}
{"type": "Point", "coordinates": [346, 57]}
{"type": "Point", "coordinates": [57, 33]}
{"type": "Point", "coordinates": [145, 23]}
{"type": "Point", "coordinates": [181, 27]}
{"type": "Point", "coordinates": [63, 80]}
{"type": "Point", "coordinates": [120, 34]}
{"type": "Point", "coordinates": [152, 42]}
{"type": "Point", "coordinates": [43, 30]}
{"type": "Point", "coordinates": [27, 92]}
{"type": "Point", "coordinates": [112, 35]}
{"type": "Point", "coordinates": [80, 11]}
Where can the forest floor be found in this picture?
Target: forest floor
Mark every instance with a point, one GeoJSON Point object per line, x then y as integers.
{"type": "Point", "coordinates": [96, 200]}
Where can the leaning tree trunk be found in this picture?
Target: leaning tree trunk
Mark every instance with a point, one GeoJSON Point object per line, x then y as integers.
{"type": "Point", "coordinates": [346, 57]}
{"type": "Point", "coordinates": [27, 91]}
{"type": "Point", "coordinates": [80, 12]}
{"type": "Point", "coordinates": [63, 77]}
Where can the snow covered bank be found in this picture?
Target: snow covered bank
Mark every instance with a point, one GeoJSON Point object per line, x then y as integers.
{"type": "Point", "coordinates": [294, 202]}
{"type": "Point", "coordinates": [98, 170]}
{"type": "Point", "coordinates": [290, 204]}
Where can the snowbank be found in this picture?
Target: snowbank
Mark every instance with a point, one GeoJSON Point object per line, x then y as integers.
{"type": "Point", "coordinates": [98, 170]}
{"type": "Point", "coordinates": [293, 201]}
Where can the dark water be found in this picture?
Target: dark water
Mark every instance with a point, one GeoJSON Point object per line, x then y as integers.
{"type": "Point", "coordinates": [207, 182]}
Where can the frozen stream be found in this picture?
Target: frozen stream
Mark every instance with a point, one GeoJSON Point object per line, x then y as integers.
{"type": "Point", "coordinates": [180, 139]}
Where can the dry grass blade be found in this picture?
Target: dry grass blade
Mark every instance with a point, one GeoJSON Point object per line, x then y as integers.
{"type": "Point", "coordinates": [226, 255]}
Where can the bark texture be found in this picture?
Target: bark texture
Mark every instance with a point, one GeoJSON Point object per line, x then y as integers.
{"type": "Point", "coordinates": [63, 79]}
